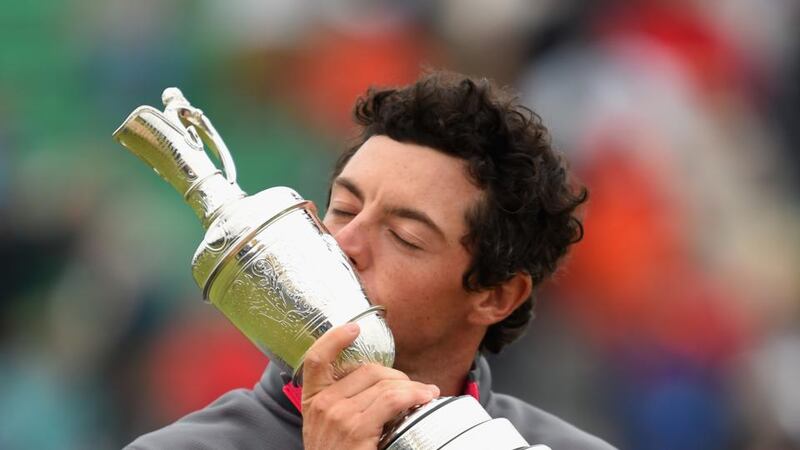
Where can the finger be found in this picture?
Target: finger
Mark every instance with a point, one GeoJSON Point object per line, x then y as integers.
{"type": "Point", "coordinates": [363, 378]}
{"type": "Point", "coordinates": [385, 389]}
{"type": "Point", "coordinates": [317, 364]}
{"type": "Point", "coordinates": [391, 402]}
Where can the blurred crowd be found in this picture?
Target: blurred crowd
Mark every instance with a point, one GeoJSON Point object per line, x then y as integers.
{"type": "Point", "coordinates": [673, 325]}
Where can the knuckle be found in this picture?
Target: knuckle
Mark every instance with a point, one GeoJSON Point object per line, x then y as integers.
{"type": "Point", "coordinates": [320, 404]}
{"type": "Point", "coordinates": [312, 360]}
{"type": "Point", "coordinates": [394, 398]}
{"type": "Point", "coordinates": [337, 415]}
{"type": "Point", "coordinates": [421, 387]}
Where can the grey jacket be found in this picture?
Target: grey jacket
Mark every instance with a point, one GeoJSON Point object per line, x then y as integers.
{"type": "Point", "coordinates": [264, 418]}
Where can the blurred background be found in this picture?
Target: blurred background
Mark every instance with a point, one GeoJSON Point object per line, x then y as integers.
{"type": "Point", "coordinates": [673, 325]}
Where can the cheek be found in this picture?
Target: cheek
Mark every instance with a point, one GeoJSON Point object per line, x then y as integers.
{"type": "Point", "coordinates": [422, 289]}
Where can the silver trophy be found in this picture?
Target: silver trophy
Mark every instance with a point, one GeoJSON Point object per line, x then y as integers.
{"type": "Point", "coordinates": [278, 275]}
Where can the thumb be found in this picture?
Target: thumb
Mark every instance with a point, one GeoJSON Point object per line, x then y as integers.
{"type": "Point", "coordinates": [319, 359]}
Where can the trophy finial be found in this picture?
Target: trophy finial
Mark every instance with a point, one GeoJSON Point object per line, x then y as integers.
{"type": "Point", "coordinates": [172, 94]}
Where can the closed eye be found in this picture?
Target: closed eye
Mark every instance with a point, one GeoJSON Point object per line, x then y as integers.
{"type": "Point", "coordinates": [341, 212]}
{"type": "Point", "coordinates": [404, 242]}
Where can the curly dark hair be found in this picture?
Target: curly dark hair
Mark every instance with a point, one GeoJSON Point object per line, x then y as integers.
{"type": "Point", "coordinates": [526, 221]}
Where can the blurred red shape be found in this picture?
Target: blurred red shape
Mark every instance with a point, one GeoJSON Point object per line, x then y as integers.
{"type": "Point", "coordinates": [194, 362]}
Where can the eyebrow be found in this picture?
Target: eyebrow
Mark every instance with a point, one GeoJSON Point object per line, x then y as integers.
{"type": "Point", "coordinates": [398, 211]}
{"type": "Point", "coordinates": [350, 186]}
{"type": "Point", "coordinates": [417, 215]}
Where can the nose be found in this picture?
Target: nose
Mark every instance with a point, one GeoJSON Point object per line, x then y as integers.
{"type": "Point", "coordinates": [353, 238]}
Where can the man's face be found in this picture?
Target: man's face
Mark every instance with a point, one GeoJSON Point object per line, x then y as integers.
{"type": "Point", "coordinates": [398, 211]}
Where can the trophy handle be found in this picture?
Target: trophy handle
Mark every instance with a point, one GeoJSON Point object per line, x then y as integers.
{"type": "Point", "coordinates": [176, 105]}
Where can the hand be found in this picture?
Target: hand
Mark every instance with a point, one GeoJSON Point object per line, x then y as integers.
{"type": "Point", "coordinates": [350, 413]}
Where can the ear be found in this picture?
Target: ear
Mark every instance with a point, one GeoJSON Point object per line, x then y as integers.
{"type": "Point", "coordinates": [498, 303]}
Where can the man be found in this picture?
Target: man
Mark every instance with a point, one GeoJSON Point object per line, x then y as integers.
{"type": "Point", "coordinates": [452, 208]}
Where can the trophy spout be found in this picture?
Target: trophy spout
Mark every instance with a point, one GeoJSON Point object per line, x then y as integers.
{"type": "Point", "coordinates": [177, 155]}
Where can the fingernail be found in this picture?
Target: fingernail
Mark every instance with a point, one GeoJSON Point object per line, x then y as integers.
{"type": "Point", "coordinates": [434, 389]}
{"type": "Point", "coordinates": [351, 328]}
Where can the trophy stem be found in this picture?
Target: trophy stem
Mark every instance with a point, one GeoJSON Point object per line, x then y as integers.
{"type": "Point", "coordinates": [208, 196]}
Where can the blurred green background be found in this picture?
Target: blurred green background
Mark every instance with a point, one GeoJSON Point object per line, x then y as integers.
{"type": "Point", "coordinates": [673, 325]}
